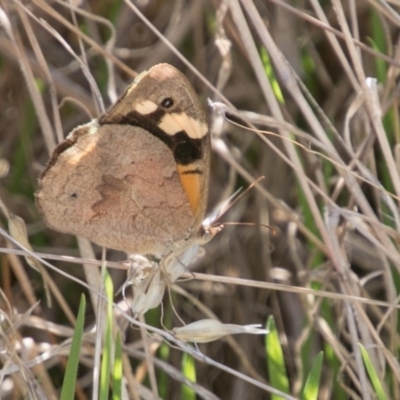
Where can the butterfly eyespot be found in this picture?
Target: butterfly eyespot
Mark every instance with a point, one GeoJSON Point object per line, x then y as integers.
{"type": "Point", "coordinates": [167, 102]}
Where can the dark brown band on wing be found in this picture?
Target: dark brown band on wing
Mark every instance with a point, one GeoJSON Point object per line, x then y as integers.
{"type": "Point", "coordinates": [192, 172]}
{"type": "Point", "coordinates": [185, 149]}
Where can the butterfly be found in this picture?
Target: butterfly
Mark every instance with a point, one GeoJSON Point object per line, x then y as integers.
{"type": "Point", "coordinates": [136, 179]}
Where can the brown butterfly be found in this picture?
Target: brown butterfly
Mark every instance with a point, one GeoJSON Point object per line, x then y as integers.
{"type": "Point", "coordinates": [136, 179]}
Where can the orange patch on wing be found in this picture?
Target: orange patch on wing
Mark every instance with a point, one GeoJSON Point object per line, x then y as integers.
{"type": "Point", "coordinates": [191, 183]}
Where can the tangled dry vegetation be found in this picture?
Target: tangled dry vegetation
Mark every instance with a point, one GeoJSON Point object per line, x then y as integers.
{"type": "Point", "coordinates": [305, 95]}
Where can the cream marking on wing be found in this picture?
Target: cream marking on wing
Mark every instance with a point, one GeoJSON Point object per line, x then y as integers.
{"type": "Point", "coordinates": [174, 123]}
{"type": "Point", "coordinates": [198, 126]}
{"type": "Point", "coordinates": [132, 87]}
{"type": "Point", "coordinates": [80, 149]}
{"type": "Point", "coordinates": [145, 107]}
{"type": "Point", "coordinates": [92, 125]}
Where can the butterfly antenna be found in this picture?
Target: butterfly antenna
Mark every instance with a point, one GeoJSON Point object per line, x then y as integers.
{"type": "Point", "coordinates": [227, 204]}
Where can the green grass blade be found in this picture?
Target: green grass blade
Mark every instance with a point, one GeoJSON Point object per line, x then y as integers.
{"type": "Point", "coordinates": [275, 361]}
{"type": "Point", "coordinates": [311, 387]}
{"type": "Point", "coordinates": [67, 391]}
{"type": "Point", "coordinates": [269, 71]}
{"type": "Point", "coordinates": [108, 345]}
{"type": "Point", "coordinates": [189, 370]}
{"type": "Point", "coordinates": [117, 370]}
{"type": "Point", "coordinates": [163, 377]}
{"type": "Point", "coordinates": [376, 382]}
{"type": "Point", "coordinates": [378, 43]}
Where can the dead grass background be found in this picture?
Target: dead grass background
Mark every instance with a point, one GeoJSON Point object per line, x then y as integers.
{"type": "Point", "coordinates": [325, 139]}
